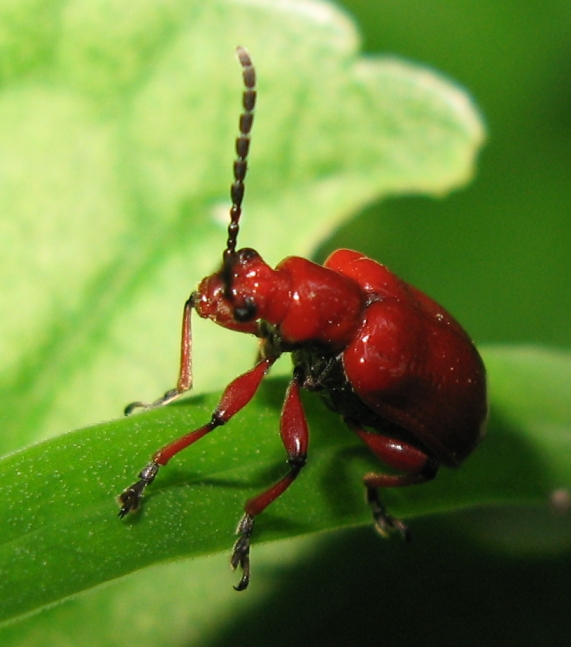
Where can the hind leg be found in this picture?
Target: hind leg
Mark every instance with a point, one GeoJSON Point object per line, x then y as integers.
{"type": "Point", "coordinates": [416, 465]}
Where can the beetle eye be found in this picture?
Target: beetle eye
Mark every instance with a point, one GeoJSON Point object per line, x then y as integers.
{"type": "Point", "coordinates": [246, 311]}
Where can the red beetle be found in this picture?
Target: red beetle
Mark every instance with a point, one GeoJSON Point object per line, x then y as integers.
{"type": "Point", "coordinates": [402, 373]}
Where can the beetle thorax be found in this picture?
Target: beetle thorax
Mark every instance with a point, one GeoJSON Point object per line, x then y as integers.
{"type": "Point", "coordinates": [306, 302]}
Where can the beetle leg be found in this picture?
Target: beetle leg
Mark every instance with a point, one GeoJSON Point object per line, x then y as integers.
{"type": "Point", "coordinates": [184, 382]}
{"type": "Point", "coordinates": [235, 397]}
{"type": "Point", "coordinates": [295, 437]}
{"type": "Point", "coordinates": [417, 466]}
{"type": "Point", "coordinates": [384, 522]}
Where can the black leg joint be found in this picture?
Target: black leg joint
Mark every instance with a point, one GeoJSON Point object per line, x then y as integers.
{"type": "Point", "coordinates": [216, 420]}
{"type": "Point", "coordinates": [296, 462]}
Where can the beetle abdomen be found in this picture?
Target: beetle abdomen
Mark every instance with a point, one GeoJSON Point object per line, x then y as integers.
{"type": "Point", "coordinates": [419, 372]}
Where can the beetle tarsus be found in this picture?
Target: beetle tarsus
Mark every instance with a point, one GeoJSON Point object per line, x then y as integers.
{"type": "Point", "coordinates": [384, 523]}
{"type": "Point", "coordinates": [241, 551]}
{"type": "Point", "coordinates": [169, 396]}
{"type": "Point", "coordinates": [130, 498]}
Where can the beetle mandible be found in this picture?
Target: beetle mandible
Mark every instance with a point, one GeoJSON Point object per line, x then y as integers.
{"type": "Point", "coordinates": [398, 368]}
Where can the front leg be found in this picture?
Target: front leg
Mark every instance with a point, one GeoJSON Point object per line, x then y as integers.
{"type": "Point", "coordinates": [184, 382]}
{"type": "Point", "coordinates": [235, 397]}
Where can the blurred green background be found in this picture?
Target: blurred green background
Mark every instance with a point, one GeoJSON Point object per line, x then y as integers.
{"type": "Point", "coordinates": [508, 233]}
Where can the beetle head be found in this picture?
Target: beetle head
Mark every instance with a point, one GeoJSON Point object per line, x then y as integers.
{"type": "Point", "coordinates": [245, 290]}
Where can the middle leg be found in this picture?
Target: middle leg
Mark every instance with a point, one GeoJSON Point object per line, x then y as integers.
{"type": "Point", "coordinates": [295, 437]}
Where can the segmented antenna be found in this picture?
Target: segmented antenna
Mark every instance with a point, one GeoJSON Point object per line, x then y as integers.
{"type": "Point", "coordinates": [242, 149]}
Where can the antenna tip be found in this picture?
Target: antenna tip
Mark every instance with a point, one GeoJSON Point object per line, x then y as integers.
{"type": "Point", "coordinates": [243, 56]}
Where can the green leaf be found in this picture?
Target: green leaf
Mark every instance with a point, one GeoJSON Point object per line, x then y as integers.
{"type": "Point", "coordinates": [60, 531]}
{"type": "Point", "coordinates": [117, 127]}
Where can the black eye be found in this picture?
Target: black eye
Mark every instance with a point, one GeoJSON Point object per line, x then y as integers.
{"type": "Point", "coordinates": [246, 311]}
